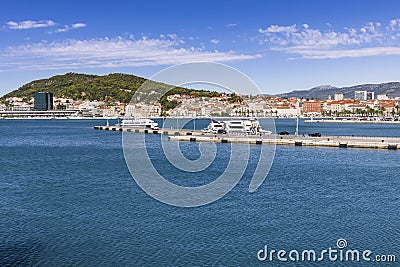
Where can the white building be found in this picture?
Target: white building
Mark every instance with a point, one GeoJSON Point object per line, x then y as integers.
{"type": "Point", "coordinates": [339, 97]}
{"type": "Point", "coordinates": [205, 111]}
{"type": "Point", "coordinates": [382, 97]}
{"type": "Point", "coordinates": [21, 108]}
{"type": "Point", "coordinates": [142, 111]}
{"type": "Point", "coordinates": [110, 112]}
{"type": "Point", "coordinates": [364, 95]}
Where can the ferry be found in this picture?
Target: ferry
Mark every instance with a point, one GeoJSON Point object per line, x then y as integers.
{"type": "Point", "coordinates": [139, 123]}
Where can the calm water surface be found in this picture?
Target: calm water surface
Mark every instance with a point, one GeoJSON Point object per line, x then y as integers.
{"type": "Point", "coordinates": [67, 198]}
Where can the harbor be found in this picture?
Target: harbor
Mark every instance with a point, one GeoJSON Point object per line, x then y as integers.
{"type": "Point", "coordinates": [188, 135]}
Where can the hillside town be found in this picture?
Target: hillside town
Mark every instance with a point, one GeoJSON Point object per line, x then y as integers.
{"type": "Point", "coordinates": [363, 104]}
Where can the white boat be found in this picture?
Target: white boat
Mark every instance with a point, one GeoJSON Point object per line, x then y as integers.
{"type": "Point", "coordinates": [86, 118]}
{"type": "Point", "coordinates": [76, 118]}
{"type": "Point", "coordinates": [139, 123]}
{"type": "Point", "coordinates": [247, 126]}
{"type": "Point", "coordinates": [215, 127]}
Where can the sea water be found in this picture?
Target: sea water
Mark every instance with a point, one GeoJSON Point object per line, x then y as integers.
{"type": "Point", "coordinates": [67, 198]}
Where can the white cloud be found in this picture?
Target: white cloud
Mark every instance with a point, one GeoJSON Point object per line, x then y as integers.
{"type": "Point", "coordinates": [74, 26]}
{"type": "Point", "coordinates": [279, 29]}
{"type": "Point", "coordinates": [231, 25]}
{"type": "Point", "coordinates": [173, 36]}
{"type": "Point", "coordinates": [78, 25]}
{"type": "Point", "coordinates": [29, 24]}
{"type": "Point", "coordinates": [214, 41]}
{"type": "Point", "coordinates": [371, 39]}
{"type": "Point", "coordinates": [108, 53]}
{"type": "Point", "coordinates": [342, 53]}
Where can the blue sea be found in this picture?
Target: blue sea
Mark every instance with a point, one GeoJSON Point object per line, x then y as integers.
{"type": "Point", "coordinates": [67, 199]}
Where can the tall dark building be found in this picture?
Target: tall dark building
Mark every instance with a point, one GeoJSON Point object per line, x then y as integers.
{"type": "Point", "coordinates": [43, 101]}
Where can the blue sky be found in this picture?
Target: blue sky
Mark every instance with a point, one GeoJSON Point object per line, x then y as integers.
{"type": "Point", "coordinates": [281, 45]}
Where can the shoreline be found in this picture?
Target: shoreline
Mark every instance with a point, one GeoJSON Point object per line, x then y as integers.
{"type": "Point", "coordinates": [350, 121]}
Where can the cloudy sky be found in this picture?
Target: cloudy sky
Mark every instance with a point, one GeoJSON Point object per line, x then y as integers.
{"type": "Point", "coordinates": [281, 45]}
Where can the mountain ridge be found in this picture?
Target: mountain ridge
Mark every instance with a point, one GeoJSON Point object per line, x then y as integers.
{"type": "Point", "coordinates": [392, 89]}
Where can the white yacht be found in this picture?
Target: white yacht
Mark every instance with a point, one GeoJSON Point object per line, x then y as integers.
{"type": "Point", "coordinates": [247, 126]}
{"type": "Point", "coordinates": [215, 127]}
{"type": "Point", "coordinates": [139, 123]}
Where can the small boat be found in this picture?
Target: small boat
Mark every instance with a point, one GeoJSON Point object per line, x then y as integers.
{"type": "Point", "coordinates": [139, 123]}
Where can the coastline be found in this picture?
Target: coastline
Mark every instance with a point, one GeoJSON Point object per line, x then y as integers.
{"type": "Point", "coordinates": [351, 121]}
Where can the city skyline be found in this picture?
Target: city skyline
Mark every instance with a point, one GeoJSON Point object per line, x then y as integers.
{"type": "Point", "coordinates": [281, 46]}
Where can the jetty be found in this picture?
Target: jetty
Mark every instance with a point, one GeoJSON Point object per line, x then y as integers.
{"type": "Point", "coordinates": [392, 143]}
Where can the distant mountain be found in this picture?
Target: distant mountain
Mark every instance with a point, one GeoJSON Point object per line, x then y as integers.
{"type": "Point", "coordinates": [111, 87]}
{"type": "Point", "coordinates": [392, 89]}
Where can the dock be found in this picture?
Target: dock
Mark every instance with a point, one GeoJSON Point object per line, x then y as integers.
{"type": "Point", "coordinates": [164, 131]}
{"type": "Point", "coordinates": [392, 143]}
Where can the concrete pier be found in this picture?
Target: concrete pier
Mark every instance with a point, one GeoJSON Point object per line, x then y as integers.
{"type": "Point", "coordinates": [291, 140]}
{"type": "Point", "coordinates": [326, 141]}
{"type": "Point", "coordinates": [164, 131]}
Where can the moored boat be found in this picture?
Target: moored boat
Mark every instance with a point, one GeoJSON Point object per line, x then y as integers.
{"type": "Point", "coordinates": [139, 123]}
{"type": "Point", "coordinates": [246, 126]}
{"type": "Point", "coordinates": [215, 127]}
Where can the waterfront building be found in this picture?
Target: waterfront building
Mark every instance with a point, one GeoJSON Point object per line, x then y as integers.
{"type": "Point", "coordinates": [21, 108]}
{"type": "Point", "coordinates": [312, 107]}
{"type": "Point", "coordinates": [43, 101]}
{"type": "Point", "coordinates": [142, 110]}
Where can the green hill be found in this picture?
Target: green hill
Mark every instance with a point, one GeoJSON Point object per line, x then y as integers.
{"type": "Point", "coordinates": [111, 87]}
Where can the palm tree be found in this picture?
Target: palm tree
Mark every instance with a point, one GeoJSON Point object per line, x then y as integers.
{"type": "Point", "coordinates": [380, 111]}
{"type": "Point", "coordinates": [397, 107]}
